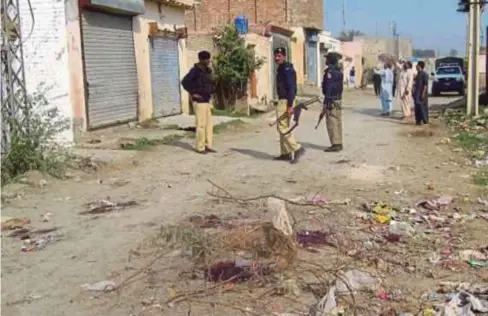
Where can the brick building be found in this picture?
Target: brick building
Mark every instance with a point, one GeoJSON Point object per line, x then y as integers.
{"type": "Point", "coordinates": [209, 14]}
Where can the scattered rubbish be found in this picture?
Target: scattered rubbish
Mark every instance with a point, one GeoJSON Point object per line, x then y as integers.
{"type": "Point", "coordinates": [382, 212]}
{"type": "Point", "coordinates": [38, 243]}
{"type": "Point", "coordinates": [482, 201]}
{"type": "Point", "coordinates": [401, 191]}
{"type": "Point", "coordinates": [384, 296]}
{"type": "Point", "coordinates": [466, 255]}
{"type": "Point", "coordinates": [400, 229]}
{"type": "Point", "coordinates": [102, 286]}
{"type": "Point", "coordinates": [105, 206]}
{"type": "Point", "coordinates": [478, 264]}
{"type": "Point", "coordinates": [208, 221]}
{"type": "Point", "coordinates": [463, 304]}
{"type": "Point", "coordinates": [9, 223]}
{"type": "Point", "coordinates": [435, 204]}
{"type": "Point", "coordinates": [434, 258]}
{"type": "Point", "coordinates": [238, 271]}
{"type": "Point", "coordinates": [280, 218]}
{"type": "Point", "coordinates": [308, 238]}
{"type": "Point", "coordinates": [327, 306]}
{"type": "Point", "coordinates": [354, 280]}
{"type": "Point", "coordinates": [46, 217]}
{"type": "Point", "coordinates": [317, 200]}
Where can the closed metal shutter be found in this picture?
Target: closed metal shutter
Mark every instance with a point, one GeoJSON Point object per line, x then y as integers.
{"type": "Point", "coordinates": [110, 68]}
{"type": "Point", "coordinates": [165, 76]}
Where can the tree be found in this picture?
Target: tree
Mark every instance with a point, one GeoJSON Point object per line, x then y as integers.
{"type": "Point", "coordinates": [348, 36]}
{"type": "Point", "coordinates": [453, 53]}
{"type": "Point", "coordinates": [233, 64]}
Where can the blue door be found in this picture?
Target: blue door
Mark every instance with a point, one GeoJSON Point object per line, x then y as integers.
{"type": "Point", "coordinates": [312, 62]}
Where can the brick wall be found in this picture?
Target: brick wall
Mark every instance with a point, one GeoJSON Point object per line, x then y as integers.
{"type": "Point", "coordinates": [212, 13]}
{"type": "Point", "coordinates": [45, 54]}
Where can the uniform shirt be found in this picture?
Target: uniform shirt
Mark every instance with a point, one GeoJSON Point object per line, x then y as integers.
{"type": "Point", "coordinates": [199, 81]}
{"type": "Point", "coordinates": [286, 83]}
{"type": "Point", "coordinates": [332, 85]}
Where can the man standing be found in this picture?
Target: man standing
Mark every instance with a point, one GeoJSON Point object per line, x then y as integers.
{"type": "Point", "coordinates": [286, 85]}
{"type": "Point", "coordinates": [198, 83]}
{"type": "Point", "coordinates": [332, 88]}
{"type": "Point", "coordinates": [377, 84]}
{"type": "Point", "coordinates": [352, 77]}
{"type": "Point", "coordinates": [420, 95]}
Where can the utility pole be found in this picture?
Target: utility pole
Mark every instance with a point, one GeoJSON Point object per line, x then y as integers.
{"type": "Point", "coordinates": [344, 16]}
{"type": "Point", "coordinates": [396, 41]}
{"type": "Point", "coordinates": [469, 103]}
{"type": "Point", "coordinates": [13, 90]}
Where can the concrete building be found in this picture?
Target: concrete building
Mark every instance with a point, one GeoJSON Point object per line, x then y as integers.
{"type": "Point", "coordinates": [374, 47]}
{"type": "Point", "coordinates": [106, 62]}
{"type": "Point", "coordinates": [327, 43]}
{"type": "Point", "coordinates": [293, 24]}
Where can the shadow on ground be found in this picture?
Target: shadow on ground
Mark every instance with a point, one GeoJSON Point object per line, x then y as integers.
{"type": "Point", "coordinates": [253, 153]}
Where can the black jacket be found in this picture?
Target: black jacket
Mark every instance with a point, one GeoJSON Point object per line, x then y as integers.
{"type": "Point", "coordinates": [199, 81]}
{"type": "Point", "coordinates": [286, 83]}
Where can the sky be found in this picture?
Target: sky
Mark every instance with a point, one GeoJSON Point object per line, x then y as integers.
{"type": "Point", "coordinates": [431, 24]}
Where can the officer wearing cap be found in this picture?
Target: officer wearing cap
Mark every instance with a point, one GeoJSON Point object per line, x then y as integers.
{"type": "Point", "coordinates": [199, 84]}
{"type": "Point", "coordinates": [286, 85]}
{"type": "Point", "coordinates": [332, 86]}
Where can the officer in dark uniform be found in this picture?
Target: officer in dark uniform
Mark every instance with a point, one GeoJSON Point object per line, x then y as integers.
{"type": "Point", "coordinates": [332, 86]}
{"type": "Point", "coordinates": [286, 85]}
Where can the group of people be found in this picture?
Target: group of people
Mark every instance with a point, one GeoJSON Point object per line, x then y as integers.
{"type": "Point", "coordinates": [198, 83]}
{"type": "Point", "coordinates": [410, 88]}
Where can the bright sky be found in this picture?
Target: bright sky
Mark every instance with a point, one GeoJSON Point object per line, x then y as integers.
{"type": "Point", "coordinates": [431, 24]}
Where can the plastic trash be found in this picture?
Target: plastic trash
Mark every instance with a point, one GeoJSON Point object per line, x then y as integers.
{"type": "Point", "coordinates": [280, 218]}
{"type": "Point", "coordinates": [355, 280]}
{"type": "Point", "coordinates": [400, 229]}
{"type": "Point", "coordinates": [102, 286]}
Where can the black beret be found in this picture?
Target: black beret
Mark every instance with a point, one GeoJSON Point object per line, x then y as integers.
{"type": "Point", "coordinates": [333, 55]}
{"type": "Point", "coordinates": [203, 55]}
{"type": "Point", "coordinates": [280, 50]}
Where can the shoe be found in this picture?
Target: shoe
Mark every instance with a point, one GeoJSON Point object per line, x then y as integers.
{"type": "Point", "coordinates": [210, 150]}
{"type": "Point", "coordinates": [296, 155]}
{"type": "Point", "coordinates": [284, 157]}
{"type": "Point", "coordinates": [201, 152]}
{"type": "Point", "coordinates": [334, 148]}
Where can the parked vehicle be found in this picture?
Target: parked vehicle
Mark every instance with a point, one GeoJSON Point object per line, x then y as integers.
{"type": "Point", "coordinates": [448, 77]}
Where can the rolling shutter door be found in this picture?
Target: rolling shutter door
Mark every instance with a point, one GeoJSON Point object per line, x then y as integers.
{"type": "Point", "coordinates": [110, 68]}
{"type": "Point", "coordinates": [165, 76]}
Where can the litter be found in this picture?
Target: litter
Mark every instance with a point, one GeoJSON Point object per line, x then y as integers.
{"type": "Point", "coordinates": [478, 264]}
{"type": "Point", "coordinates": [105, 206]}
{"type": "Point", "coordinates": [102, 286]}
{"type": "Point", "coordinates": [435, 204]}
{"type": "Point", "coordinates": [9, 223]}
{"type": "Point", "coordinates": [355, 281]}
{"type": "Point", "coordinates": [400, 229]}
{"type": "Point", "coordinates": [239, 270]}
{"type": "Point", "coordinates": [463, 304]}
{"type": "Point", "coordinates": [466, 255]}
{"type": "Point", "coordinates": [46, 217]}
{"type": "Point", "coordinates": [383, 213]}
{"type": "Point", "coordinates": [307, 238]}
{"type": "Point", "coordinates": [280, 218]}
{"type": "Point", "coordinates": [327, 306]}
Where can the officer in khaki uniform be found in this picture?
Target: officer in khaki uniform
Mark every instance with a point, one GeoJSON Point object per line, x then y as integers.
{"type": "Point", "coordinates": [286, 85]}
{"type": "Point", "coordinates": [198, 83]}
{"type": "Point", "coordinates": [332, 87]}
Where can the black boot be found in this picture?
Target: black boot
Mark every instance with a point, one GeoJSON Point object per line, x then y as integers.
{"type": "Point", "coordinates": [285, 157]}
{"type": "Point", "coordinates": [334, 148]}
{"type": "Point", "coordinates": [296, 155]}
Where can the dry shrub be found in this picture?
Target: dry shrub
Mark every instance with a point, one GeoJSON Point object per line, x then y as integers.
{"type": "Point", "coordinates": [263, 241]}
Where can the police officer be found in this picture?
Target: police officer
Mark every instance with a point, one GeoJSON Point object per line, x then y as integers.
{"type": "Point", "coordinates": [286, 85]}
{"type": "Point", "coordinates": [198, 83]}
{"type": "Point", "coordinates": [332, 86]}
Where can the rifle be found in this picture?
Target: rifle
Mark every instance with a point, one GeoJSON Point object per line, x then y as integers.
{"type": "Point", "coordinates": [321, 116]}
{"type": "Point", "coordinates": [297, 111]}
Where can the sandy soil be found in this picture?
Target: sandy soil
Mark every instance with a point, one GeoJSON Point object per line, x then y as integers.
{"type": "Point", "coordinates": [383, 160]}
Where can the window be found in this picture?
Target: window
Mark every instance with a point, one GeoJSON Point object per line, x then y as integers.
{"type": "Point", "coordinates": [449, 71]}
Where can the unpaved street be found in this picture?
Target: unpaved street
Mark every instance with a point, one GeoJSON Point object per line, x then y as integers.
{"type": "Point", "coordinates": [382, 157]}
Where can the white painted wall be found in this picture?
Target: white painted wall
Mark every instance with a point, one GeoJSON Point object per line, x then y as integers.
{"type": "Point", "coordinates": [333, 44]}
{"type": "Point", "coordinates": [45, 54]}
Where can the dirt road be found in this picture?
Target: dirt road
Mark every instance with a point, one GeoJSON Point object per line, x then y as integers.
{"type": "Point", "coordinates": [381, 156]}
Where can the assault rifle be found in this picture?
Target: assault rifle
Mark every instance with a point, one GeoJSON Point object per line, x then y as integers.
{"type": "Point", "coordinates": [297, 112]}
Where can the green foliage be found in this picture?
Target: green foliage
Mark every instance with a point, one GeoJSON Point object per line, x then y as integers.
{"type": "Point", "coordinates": [33, 144]}
{"type": "Point", "coordinates": [232, 65]}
